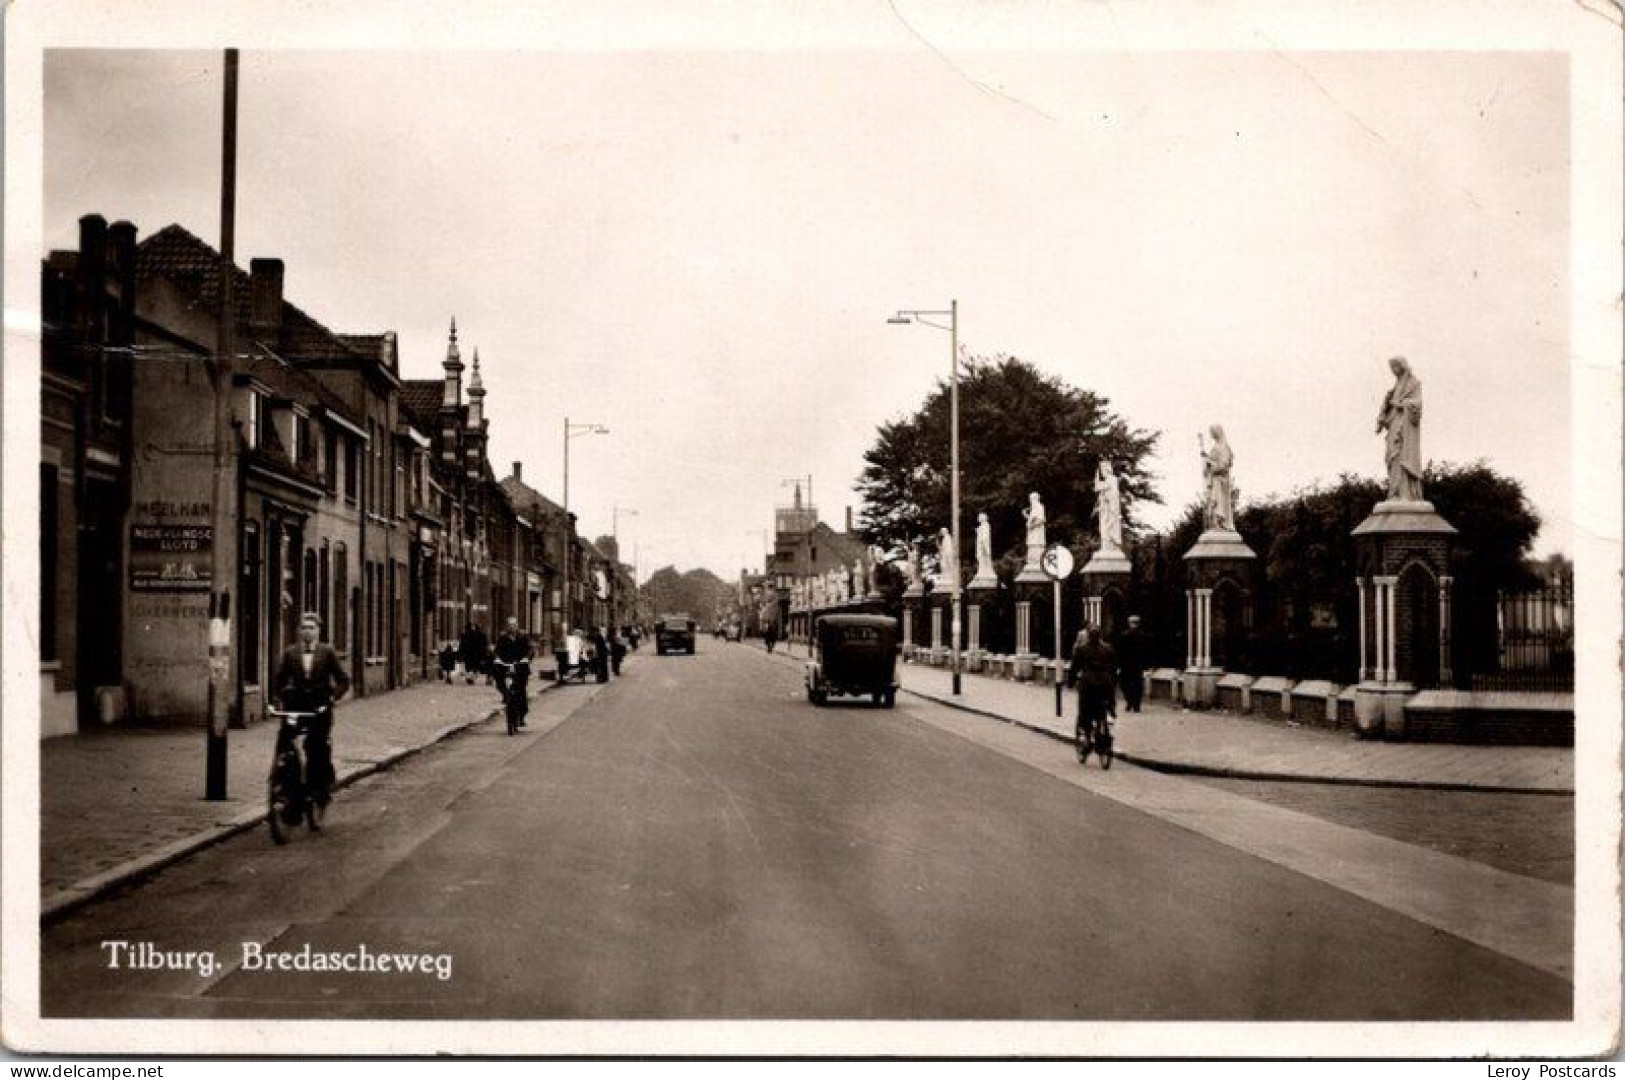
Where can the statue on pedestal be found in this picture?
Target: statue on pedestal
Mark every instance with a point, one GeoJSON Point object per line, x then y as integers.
{"type": "Point", "coordinates": [1401, 417]}
{"type": "Point", "coordinates": [860, 584]}
{"type": "Point", "coordinates": [1108, 508]}
{"type": "Point", "coordinates": [1034, 516]}
{"type": "Point", "coordinates": [1218, 489]}
{"type": "Point", "coordinates": [876, 559]}
{"type": "Point", "coordinates": [948, 562]}
{"type": "Point", "coordinates": [911, 567]}
{"type": "Point", "coordinates": [985, 574]}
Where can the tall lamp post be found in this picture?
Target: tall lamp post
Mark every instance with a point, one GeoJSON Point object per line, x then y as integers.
{"type": "Point", "coordinates": [572, 431]}
{"type": "Point", "coordinates": [905, 318]}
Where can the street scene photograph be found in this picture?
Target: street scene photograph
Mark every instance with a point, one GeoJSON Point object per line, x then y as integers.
{"type": "Point", "coordinates": [908, 513]}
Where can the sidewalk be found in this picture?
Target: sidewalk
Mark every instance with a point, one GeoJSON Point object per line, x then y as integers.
{"type": "Point", "coordinates": [123, 802]}
{"type": "Point", "coordinates": [1215, 744]}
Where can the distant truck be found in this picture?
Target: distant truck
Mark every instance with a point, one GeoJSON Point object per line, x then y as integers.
{"type": "Point", "coordinates": [674, 633]}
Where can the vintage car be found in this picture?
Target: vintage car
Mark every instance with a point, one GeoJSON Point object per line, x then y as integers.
{"type": "Point", "coordinates": [674, 633]}
{"type": "Point", "coordinates": [854, 655]}
{"type": "Point", "coordinates": [732, 632]}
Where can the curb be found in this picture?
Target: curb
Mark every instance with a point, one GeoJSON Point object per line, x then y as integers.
{"type": "Point", "coordinates": [69, 898]}
{"type": "Point", "coordinates": [1164, 765]}
{"type": "Point", "coordinates": [1180, 768]}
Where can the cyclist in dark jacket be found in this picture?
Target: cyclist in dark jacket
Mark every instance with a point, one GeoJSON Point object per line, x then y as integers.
{"type": "Point", "coordinates": [512, 648]}
{"type": "Point", "coordinates": [1094, 671]}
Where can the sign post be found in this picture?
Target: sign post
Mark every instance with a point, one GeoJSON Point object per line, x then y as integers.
{"type": "Point", "coordinates": [1057, 563]}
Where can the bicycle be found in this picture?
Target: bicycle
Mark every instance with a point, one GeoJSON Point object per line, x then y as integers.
{"type": "Point", "coordinates": [1096, 737]}
{"type": "Point", "coordinates": [511, 679]}
{"type": "Point", "coordinates": [292, 795]}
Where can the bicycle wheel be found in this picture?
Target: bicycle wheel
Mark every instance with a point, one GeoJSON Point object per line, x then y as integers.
{"type": "Point", "coordinates": [1080, 739]}
{"type": "Point", "coordinates": [1103, 746]}
{"type": "Point", "coordinates": [281, 806]}
{"type": "Point", "coordinates": [512, 709]}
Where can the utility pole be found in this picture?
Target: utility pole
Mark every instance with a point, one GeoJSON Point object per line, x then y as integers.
{"type": "Point", "coordinates": [222, 509]}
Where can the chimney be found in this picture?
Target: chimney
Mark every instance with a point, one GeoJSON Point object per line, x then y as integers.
{"type": "Point", "coordinates": [849, 520]}
{"type": "Point", "coordinates": [92, 267]}
{"type": "Point", "coordinates": [389, 351]}
{"type": "Point", "coordinates": [121, 261]}
{"type": "Point", "coordinates": [265, 296]}
{"type": "Point", "coordinates": [519, 471]}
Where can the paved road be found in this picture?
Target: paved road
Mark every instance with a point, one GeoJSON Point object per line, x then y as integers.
{"type": "Point", "coordinates": [696, 841]}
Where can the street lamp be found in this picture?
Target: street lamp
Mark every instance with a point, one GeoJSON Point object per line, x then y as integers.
{"type": "Point", "coordinates": [905, 318]}
{"type": "Point", "coordinates": [572, 431]}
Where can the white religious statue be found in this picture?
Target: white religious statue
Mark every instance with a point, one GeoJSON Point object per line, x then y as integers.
{"type": "Point", "coordinates": [860, 585]}
{"type": "Point", "coordinates": [984, 552]}
{"type": "Point", "coordinates": [1108, 507]}
{"type": "Point", "coordinates": [1218, 486]}
{"type": "Point", "coordinates": [1034, 516]}
{"type": "Point", "coordinates": [948, 561]}
{"type": "Point", "coordinates": [911, 567]}
{"type": "Point", "coordinates": [842, 586]}
{"type": "Point", "coordinates": [1401, 417]}
{"type": "Point", "coordinates": [876, 558]}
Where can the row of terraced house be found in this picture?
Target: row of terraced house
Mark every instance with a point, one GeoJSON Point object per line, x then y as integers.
{"type": "Point", "coordinates": [361, 495]}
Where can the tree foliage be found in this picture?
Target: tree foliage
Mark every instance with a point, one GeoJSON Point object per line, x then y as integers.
{"type": "Point", "coordinates": [696, 593]}
{"type": "Point", "coordinates": [1020, 431]}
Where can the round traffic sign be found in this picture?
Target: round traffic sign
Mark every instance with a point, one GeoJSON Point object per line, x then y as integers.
{"type": "Point", "coordinates": [1057, 562]}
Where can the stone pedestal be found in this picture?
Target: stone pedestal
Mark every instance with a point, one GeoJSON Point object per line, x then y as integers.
{"type": "Point", "coordinates": [1403, 582]}
{"type": "Point", "coordinates": [1105, 575]}
{"type": "Point", "coordinates": [1024, 655]}
{"type": "Point", "coordinates": [938, 650]}
{"type": "Point", "coordinates": [1219, 565]}
{"type": "Point", "coordinates": [1032, 572]}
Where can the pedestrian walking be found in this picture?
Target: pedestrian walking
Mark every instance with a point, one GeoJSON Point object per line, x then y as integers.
{"type": "Point", "coordinates": [617, 650]}
{"type": "Point", "coordinates": [448, 662]}
{"type": "Point", "coordinates": [1093, 671]}
{"type": "Point", "coordinates": [600, 651]}
{"type": "Point", "coordinates": [1131, 651]}
{"type": "Point", "coordinates": [770, 636]}
{"type": "Point", "coordinates": [472, 647]}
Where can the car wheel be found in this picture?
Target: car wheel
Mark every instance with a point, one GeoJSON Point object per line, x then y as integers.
{"type": "Point", "coordinates": [891, 699]}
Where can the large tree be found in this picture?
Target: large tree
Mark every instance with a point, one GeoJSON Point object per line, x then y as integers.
{"type": "Point", "coordinates": [1020, 431]}
{"type": "Point", "coordinates": [696, 593]}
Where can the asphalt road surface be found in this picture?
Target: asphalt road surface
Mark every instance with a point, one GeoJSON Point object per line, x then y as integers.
{"type": "Point", "coordinates": [697, 841]}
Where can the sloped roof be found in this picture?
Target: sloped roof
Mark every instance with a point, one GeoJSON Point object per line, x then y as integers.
{"type": "Point", "coordinates": [421, 399]}
{"type": "Point", "coordinates": [526, 497]}
{"type": "Point", "coordinates": [194, 267]}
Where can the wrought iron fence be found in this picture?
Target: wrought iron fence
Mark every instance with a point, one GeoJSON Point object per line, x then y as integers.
{"type": "Point", "coordinates": [1534, 641]}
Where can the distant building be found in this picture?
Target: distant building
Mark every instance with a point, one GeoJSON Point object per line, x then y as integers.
{"type": "Point", "coordinates": [804, 548]}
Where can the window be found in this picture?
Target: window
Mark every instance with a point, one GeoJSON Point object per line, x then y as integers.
{"type": "Point", "coordinates": [352, 467]}
{"type": "Point", "coordinates": [48, 511]}
{"type": "Point", "coordinates": [253, 419]}
{"type": "Point", "coordinates": [330, 459]}
{"type": "Point", "coordinates": [248, 660]}
{"type": "Point", "coordinates": [341, 605]}
{"type": "Point", "coordinates": [324, 591]}
{"type": "Point", "coordinates": [303, 439]}
{"type": "Point", "coordinates": [310, 582]}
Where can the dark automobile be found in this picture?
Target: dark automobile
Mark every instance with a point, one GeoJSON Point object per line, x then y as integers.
{"type": "Point", "coordinates": [853, 655]}
{"type": "Point", "coordinates": [674, 633]}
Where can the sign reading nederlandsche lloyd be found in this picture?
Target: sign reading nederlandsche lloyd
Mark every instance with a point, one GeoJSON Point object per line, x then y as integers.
{"type": "Point", "coordinates": [170, 558]}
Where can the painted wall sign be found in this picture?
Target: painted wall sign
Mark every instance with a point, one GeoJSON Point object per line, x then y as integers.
{"type": "Point", "coordinates": [170, 558]}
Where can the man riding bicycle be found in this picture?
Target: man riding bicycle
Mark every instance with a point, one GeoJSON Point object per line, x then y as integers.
{"type": "Point", "coordinates": [513, 648]}
{"type": "Point", "coordinates": [1094, 670]}
{"type": "Point", "coordinates": [310, 679]}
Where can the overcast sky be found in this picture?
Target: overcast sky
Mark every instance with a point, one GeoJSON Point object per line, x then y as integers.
{"type": "Point", "coordinates": [700, 249]}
